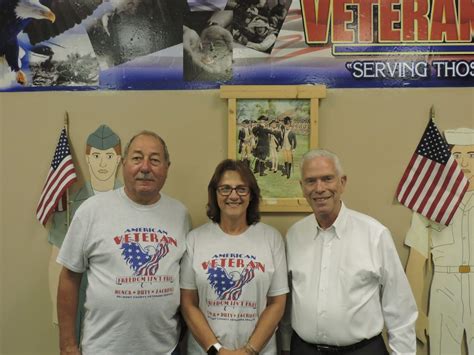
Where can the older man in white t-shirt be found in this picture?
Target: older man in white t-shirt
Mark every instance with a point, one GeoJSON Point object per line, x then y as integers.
{"type": "Point", "coordinates": [129, 242]}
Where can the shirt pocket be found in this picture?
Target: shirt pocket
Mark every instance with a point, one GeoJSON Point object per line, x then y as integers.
{"type": "Point", "coordinates": [442, 238]}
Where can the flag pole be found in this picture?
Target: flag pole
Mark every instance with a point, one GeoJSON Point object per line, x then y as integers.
{"type": "Point", "coordinates": [68, 215]}
{"type": "Point", "coordinates": [432, 112]}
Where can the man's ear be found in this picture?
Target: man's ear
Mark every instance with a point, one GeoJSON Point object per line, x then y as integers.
{"type": "Point", "coordinates": [344, 181]}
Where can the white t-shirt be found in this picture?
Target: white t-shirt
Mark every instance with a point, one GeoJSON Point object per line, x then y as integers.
{"type": "Point", "coordinates": [131, 254]}
{"type": "Point", "coordinates": [233, 276]}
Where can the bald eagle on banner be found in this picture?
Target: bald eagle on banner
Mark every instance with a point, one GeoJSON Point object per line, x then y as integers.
{"type": "Point", "coordinates": [40, 20]}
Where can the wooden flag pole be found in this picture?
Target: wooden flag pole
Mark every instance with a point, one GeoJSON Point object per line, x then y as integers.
{"type": "Point", "coordinates": [68, 215]}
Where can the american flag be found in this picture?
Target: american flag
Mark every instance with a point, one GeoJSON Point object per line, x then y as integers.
{"type": "Point", "coordinates": [144, 262]}
{"type": "Point", "coordinates": [225, 286]}
{"type": "Point", "coordinates": [433, 184]}
{"type": "Point", "coordinates": [61, 175]}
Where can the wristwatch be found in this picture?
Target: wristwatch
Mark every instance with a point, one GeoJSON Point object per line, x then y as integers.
{"type": "Point", "coordinates": [214, 349]}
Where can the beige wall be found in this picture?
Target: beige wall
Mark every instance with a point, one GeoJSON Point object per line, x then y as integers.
{"type": "Point", "coordinates": [374, 131]}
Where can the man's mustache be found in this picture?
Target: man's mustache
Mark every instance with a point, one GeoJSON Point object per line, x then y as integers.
{"type": "Point", "coordinates": [144, 177]}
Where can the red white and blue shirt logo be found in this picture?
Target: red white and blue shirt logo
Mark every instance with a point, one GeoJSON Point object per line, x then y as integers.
{"type": "Point", "coordinates": [229, 273]}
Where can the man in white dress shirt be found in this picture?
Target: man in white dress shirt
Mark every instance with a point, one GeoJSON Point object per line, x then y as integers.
{"type": "Point", "coordinates": [346, 277]}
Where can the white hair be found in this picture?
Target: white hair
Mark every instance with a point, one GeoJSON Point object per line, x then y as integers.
{"type": "Point", "coordinates": [316, 153]}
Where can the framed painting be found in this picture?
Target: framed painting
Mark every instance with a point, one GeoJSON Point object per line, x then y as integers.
{"type": "Point", "coordinates": [270, 127]}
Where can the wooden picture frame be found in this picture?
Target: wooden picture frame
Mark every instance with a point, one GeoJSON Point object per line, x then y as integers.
{"type": "Point", "coordinates": [284, 108]}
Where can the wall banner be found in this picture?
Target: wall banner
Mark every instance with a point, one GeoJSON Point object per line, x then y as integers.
{"type": "Point", "coordinates": [50, 45]}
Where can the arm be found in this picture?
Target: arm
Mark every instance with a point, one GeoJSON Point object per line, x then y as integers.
{"type": "Point", "coordinates": [397, 301]}
{"type": "Point", "coordinates": [268, 322]}
{"type": "Point", "coordinates": [415, 271]}
{"type": "Point", "coordinates": [241, 134]}
{"type": "Point", "coordinates": [418, 239]}
{"type": "Point", "coordinates": [285, 325]}
{"type": "Point", "coordinates": [293, 140]}
{"type": "Point", "coordinates": [195, 320]}
{"type": "Point", "coordinates": [68, 291]}
{"type": "Point", "coordinates": [264, 45]}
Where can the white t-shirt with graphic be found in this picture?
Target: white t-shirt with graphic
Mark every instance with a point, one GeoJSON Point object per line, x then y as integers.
{"type": "Point", "coordinates": [131, 254]}
{"type": "Point", "coordinates": [233, 276]}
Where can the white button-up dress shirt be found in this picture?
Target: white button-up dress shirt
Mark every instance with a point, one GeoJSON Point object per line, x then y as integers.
{"type": "Point", "coordinates": [348, 282]}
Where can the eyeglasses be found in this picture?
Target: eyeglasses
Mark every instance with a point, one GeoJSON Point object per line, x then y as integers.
{"type": "Point", "coordinates": [226, 190]}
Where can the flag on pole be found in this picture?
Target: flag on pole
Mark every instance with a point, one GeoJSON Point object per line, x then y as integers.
{"type": "Point", "coordinates": [61, 175]}
{"type": "Point", "coordinates": [433, 184]}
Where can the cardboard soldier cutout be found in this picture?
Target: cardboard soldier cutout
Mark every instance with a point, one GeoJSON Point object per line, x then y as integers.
{"type": "Point", "coordinates": [103, 156]}
{"type": "Point", "coordinates": [451, 248]}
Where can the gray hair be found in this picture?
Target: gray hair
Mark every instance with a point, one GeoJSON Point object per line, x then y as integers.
{"type": "Point", "coordinates": [150, 134]}
{"type": "Point", "coordinates": [317, 153]}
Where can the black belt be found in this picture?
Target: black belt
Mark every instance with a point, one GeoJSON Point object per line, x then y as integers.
{"type": "Point", "coordinates": [341, 349]}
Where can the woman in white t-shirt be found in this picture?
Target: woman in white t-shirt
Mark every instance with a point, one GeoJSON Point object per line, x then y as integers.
{"type": "Point", "coordinates": [233, 275]}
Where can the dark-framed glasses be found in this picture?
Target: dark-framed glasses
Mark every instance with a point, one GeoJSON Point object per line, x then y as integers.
{"type": "Point", "coordinates": [226, 190]}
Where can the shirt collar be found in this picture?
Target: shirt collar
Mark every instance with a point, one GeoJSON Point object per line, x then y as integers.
{"type": "Point", "coordinates": [339, 225]}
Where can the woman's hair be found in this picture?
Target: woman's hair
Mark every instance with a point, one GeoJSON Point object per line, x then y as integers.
{"type": "Point", "coordinates": [213, 210]}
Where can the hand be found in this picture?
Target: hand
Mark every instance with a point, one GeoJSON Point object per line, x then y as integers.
{"type": "Point", "coordinates": [422, 327]}
{"type": "Point", "coordinates": [243, 40]}
{"type": "Point", "coordinates": [217, 34]}
{"type": "Point", "coordinates": [198, 59]}
{"type": "Point", "coordinates": [191, 40]}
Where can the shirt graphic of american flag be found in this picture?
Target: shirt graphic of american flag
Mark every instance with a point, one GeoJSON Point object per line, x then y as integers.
{"type": "Point", "coordinates": [144, 261]}
{"type": "Point", "coordinates": [61, 175]}
{"type": "Point", "coordinates": [224, 284]}
{"type": "Point", "coordinates": [433, 184]}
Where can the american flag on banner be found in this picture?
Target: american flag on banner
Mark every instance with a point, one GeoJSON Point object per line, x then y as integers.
{"type": "Point", "coordinates": [61, 175]}
{"type": "Point", "coordinates": [433, 183]}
